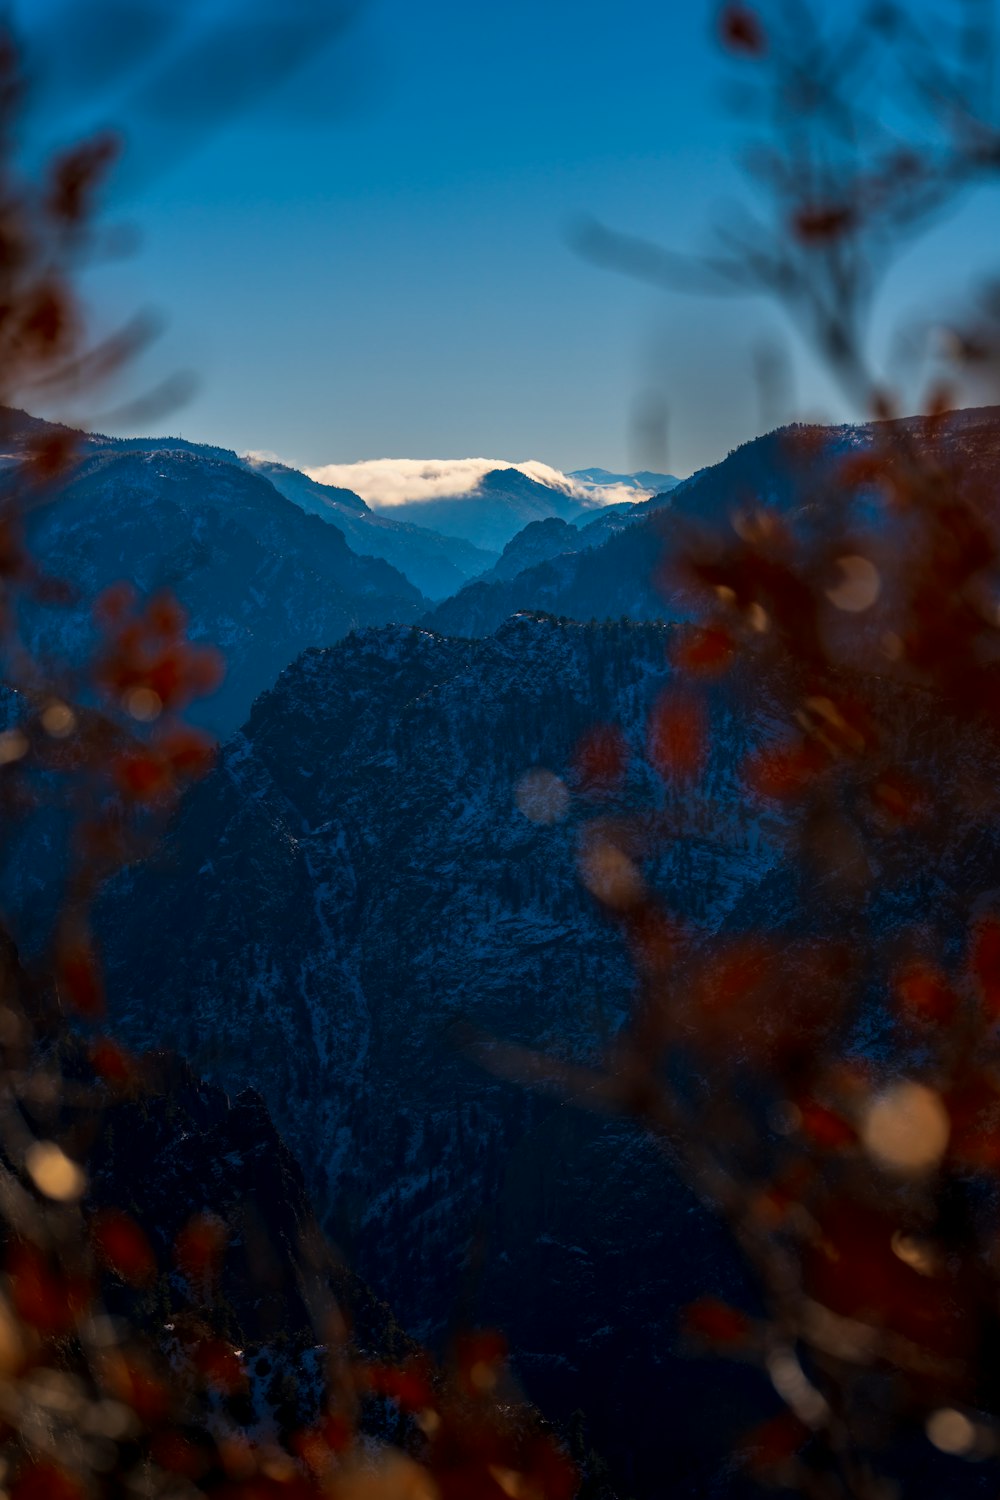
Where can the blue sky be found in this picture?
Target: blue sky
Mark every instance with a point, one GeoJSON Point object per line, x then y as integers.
{"type": "Point", "coordinates": [373, 261]}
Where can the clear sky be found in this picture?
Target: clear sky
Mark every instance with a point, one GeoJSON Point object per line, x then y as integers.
{"type": "Point", "coordinates": [373, 261]}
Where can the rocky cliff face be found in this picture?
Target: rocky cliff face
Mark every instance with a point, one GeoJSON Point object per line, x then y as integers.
{"type": "Point", "coordinates": [354, 887]}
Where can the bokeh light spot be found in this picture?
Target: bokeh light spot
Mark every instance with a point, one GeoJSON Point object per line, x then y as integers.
{"type": "Point", "coordinates": [859, 585]}
{"type": "Point", "coordinates": [542, 797]}
{"type": "Point", "coordinates": [906, 1128]}
{"type": "Point", "coordinates": [53, 1173]}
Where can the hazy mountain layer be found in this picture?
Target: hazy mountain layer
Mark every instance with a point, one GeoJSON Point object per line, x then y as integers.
{"type": "Point", "coordinates": [643, 479]}
{"type": "Point", "coordinates": [504, 501]}
{"type": "Point", "coordinates": [438, 565]}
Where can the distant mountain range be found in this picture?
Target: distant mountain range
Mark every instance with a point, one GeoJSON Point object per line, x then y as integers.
{"type": "Point", "coordinates": [267, 560]}
{"type": "Point", "coordinates": [437, 564]}
{"type": "Point", "coordinates": [358, 883]}
{"type": "Point", "coordinates": [503, 502]}
{"type": "Point", "coordinates": [612, 566]}
{"type": "Point", "coordinates": [644, 480]}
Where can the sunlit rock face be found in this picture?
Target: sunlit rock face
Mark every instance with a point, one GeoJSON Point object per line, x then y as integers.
{"type": "Point", "coordinates": [365, 877]}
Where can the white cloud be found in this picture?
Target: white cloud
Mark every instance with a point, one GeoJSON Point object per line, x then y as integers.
{"type": "Point", "coordinates": [384, 482]}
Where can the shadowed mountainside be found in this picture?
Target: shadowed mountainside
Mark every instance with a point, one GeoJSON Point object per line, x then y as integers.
{"type": "Point", "coordinates": [352, 887]}
{"type": "Point", "coordinates": [258, 577]}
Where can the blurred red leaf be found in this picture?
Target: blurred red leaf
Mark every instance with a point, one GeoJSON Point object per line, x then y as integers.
{"type": "Point", "coordinates": [973, 1106]}
{"type": "Point", "coordinates": [45, 1297]}
{"type": "Point", "coordinates": [602, 755]}
{"type": "Point", "coordinates": [984, 961]}
{"type": "Point", "coordinates": [111, 1062]}
{"type": "Point", "coordinates": [45, 1481]}
{"type": "Point", "coordinates": [78, 972]}
{"type": "Point", "coordinates": [709, 1318]}
{"type": "Point", "coordinates": [219, 1365]}
{"type": "Point", "coordinates": [407, 1385]}
{"type": "Point", "coordinates": [923, 992]}
{"type": "Point", "coordinates": [199, 1248]}
{"type": "Point", "coordinates": [114, 604]}
{"type": "Point", "coordinates": [773, 1443]}
{"type": "Point", "coordinates": [785, 770]}
{"type": "Point", "coordinates": [75, 176]}
{"type": "Point", "coordinates": [121, 1244]}
{"type": "Point", "coordinates": [128, 1376]}
{"type": "Point", "coordinates": [549, 1472]}
{"type": "Point", "coordinates": [820, 223]}
{"type": "Point", "coordinates": [178, 1454]}
{"type": "Point", "coordinates": [824, 1127]}
{"type": "Point", "coordinates": [706, 651]}
{"type": "Point", "coordinates": [740, 30]}
{"type": "Point", "coordinates": [898, 797]}
{"type": "Point", "coordinates": [853, 1269]}
{"type": "Point", "coordinates": [677, 735]}
{"type": "Point", "coordinates": [478, 1358]}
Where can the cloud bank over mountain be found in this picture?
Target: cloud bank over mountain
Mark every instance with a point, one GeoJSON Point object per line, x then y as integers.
{"type": "Point", "coordinates": [384, 482]}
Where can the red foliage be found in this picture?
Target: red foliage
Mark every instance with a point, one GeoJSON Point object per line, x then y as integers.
{"type": "Point", "coordinates": [783, 771]}
{"type": "Point", "coordinates": [741, 31]}
{"type": "Point", "coordinates": [773, 1443]}
{"type": "Point", "coordinates": [75, 177]}
{"type": "Point", "coordinates": [984, 962]}
{"type": "Point", "coordinates": [408, 1385]}
{"type": "Point", "coordinates": [716, 1321]}
{"type": "Point", "coordinates": [678, 736]}
{"type": "Point", "coordinates": [924, 993]}
{"type": "Point", "coordinates": [177, 1454]}
{"type": "Point", "coordinates": [121, 1244]}
{"type": "Point", "coordinates": [601, 757]}
{"type": "Point", "coordinates": [855, 1270]}
{"type": "Point", "coordinates": [218, 1365]}
{"type": "Point", "coordinates": [148, 665]}
{"type": "Point", "coordinates": [820, 223]}
{"type": "Point", "coordinates": [46, 1298]}
{"type": "Point", "coordinates": [46, 1481]}
{"type": "Point", "coordinates": [77, 970]}
{"type": "Point", "coordinates": [705, 651]}
{"type": "Point", "coordinates": [155, 772]}
{"type": "Point", "coordinates": [199, 1249]}
{"type": "Point", "coordinates": [824, 1127]}
{"type": "Point", "coordinates": [112, 1063]}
